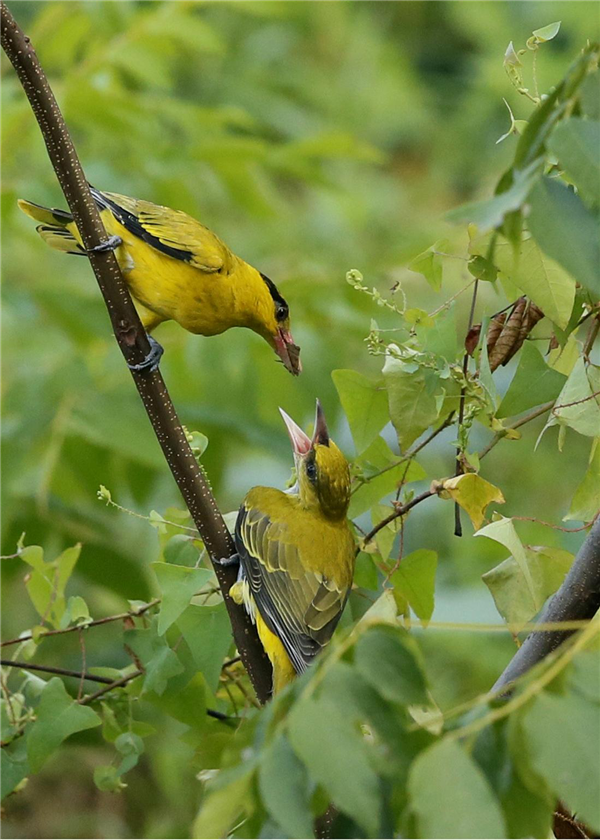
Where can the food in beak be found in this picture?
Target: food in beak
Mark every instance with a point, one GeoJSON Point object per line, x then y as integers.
{"type": "Point", "coordinates": [288, 352]}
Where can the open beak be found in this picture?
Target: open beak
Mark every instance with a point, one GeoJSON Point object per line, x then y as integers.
{"type": "Point", "coordinates": [321, 434]}
{"type": "Point", "coordinates": [288, 352]}
{"type": "Point", "coordinates": [301, 443]}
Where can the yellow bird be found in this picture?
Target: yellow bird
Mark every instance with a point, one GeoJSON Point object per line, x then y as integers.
{"type": "Point", "coordinates": [177, 269]}
{"type": "Point", "coordinates": [296, 554]}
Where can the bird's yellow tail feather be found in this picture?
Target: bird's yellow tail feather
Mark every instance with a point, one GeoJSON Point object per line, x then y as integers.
{"type": "Point", "coordinates": [45, 215]}
{"type": "Point", "coordinates": [54, 229]}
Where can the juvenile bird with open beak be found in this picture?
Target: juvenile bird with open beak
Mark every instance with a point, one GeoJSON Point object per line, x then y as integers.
{"type": "Point", "coordinates": [296, 553]}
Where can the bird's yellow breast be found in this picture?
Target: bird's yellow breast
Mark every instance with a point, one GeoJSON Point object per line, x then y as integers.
{"type": "Point", "coordinates": [205, 303]}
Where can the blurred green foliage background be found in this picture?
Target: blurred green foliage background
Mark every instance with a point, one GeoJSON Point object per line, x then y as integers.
{"type": "Point", "coordinates": [313, 138]}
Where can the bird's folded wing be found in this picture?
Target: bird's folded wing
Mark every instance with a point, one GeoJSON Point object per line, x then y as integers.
{"type": "Point", "coordinates": [299, 605]}
{"type": "Point", "coordinates": [171, 232]}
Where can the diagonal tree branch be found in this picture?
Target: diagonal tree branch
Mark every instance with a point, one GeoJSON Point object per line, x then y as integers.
{"type": "Point", "coordinates": [577, 599]}
{"type": "Point", "coordinates": [133, 341]}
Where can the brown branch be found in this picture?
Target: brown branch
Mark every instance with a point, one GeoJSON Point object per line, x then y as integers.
{"type": "Point", "coordinates": [411, 452]}
{"type": "Point", "coordinates": [461, 406]}
{"type": "Point", "coordinates": [401, 510]}
{"type": "Point", "coordinates": [77, 627]}
{"type": "Point", "coordinates": [537, 412]}
{"type": "Point", "coordinates": [578, 599]}
{"type": "Point", "coordinates": [575, 402]}
{"type": "Point", "coordinates": [133, 341]}
{"type": "Point", "coordinates": [591, 337]}
{"type": "Point", "coordinates": [47, 669]}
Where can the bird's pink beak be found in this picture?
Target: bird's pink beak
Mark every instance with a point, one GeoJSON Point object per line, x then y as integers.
{"type": "Point", "coordinates": [301, 443]}
{"type": "Point", "coordinates": [288, 352]}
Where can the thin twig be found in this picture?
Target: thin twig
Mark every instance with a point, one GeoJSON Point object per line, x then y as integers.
{"type": "Point", "coordinates": [83, 665]}
{"type": "Point", "coordinates": [401, 510]}
{"type": "Point", "coordinates": [47, 669]}
{"type": "Point", "coordinates": [411, 452]}
{"type": "Point", "coordinates": [591, 337]}
{"type": "Point", "coordinates": [90, 698]}
{"type": "Point", "coordinates": [557, 527]}
{"type": "Point", "coordinates": [119, 617]}
{"type": "Point", "coordinates": [461, 406]}
{"type": "Point", "coordinates": [537, 412]}
{"type": "Point", "coordinates": [575, 402]}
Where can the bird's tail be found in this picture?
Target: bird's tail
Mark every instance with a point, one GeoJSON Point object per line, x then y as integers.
{"type": "Point", "coordinates": [54, 228]}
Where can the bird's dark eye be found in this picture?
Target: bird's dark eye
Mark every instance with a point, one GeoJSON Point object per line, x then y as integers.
{"type": "Point", "coordinates": [281, 312]}
{"type": "Point", "coordinates": [311, 471]}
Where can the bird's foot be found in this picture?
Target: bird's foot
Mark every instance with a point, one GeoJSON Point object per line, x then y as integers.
{"type": "Point", "coordinates": [152, 360]}
{"type": "Point", "coordinates": [234, 560]}
{"type": "Point", "coordinates": [109, 244]}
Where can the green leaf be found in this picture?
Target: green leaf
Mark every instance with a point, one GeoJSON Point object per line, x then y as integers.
{"type": "Point", "coordinates": [131, 747]}
{"type": "Point", "coordinates": [440, 338]}
{"type": "Point", "coordinates": [534, 383]}
{"type": "Point", "coordinates": [223, 802]}
{"type": "Point", "coordinates": [187, 704]}
{"type": "Point", "coordinates": [516, 603]}
{"type": "Point", "coordinates": [451, 796]}
{"type": "Point", "coordinates": [160, 662]}
{"type": "Point", "coordinates": [337, 757]}
{"type": "Point", "coordinates": [364, 403]}
{"type": "Point", "coordinates": [178, 584]}
{"type": "Point", "coordinates": [490, 213]}
{"type": "Point", "coordinates": [181, 550]}
{"type": "Point", "coordinates": [482, 269]}
{"type": "Point", "coordinates": [385, 656]}
{"type": "Point", "coordinates": [547, 33]}
{"type": "Point", "coordinates": [590, 95]}
{"type": "Point", "coordinates": [567, 231]}
{"type": "Point", "coordinates": [503, 531]}
{"type": "Point", "coordinates": [576, 144]}
{"type": "Point", "coordinates": [429, 264]}
{"type": "Point", "coordinates": [412, 399]}
{"type": "Point", "coordinates": [540, 278]}
{"type": "Point", "coordinates": [14, 766]}
{"type": "Point", "coordinates": [365, 572]}
{"type": "Point", "coordinates": [77, 612]}
{"type": "Point", "coordinates": [415, 579]}
{"type": "Point", "coordinates": [107, 778]}
{"type": "Point", "coordinates": [586, 501]}
{"type": "Point", "coordinates": [576, 405]}
{"type": "Point", "coordinates": [562, 735]}
{"type": "Point", "coordinates": [57, 717]}
{"type": "Point", "coordinates": [284, 788]}
{"type": "Point", "coordinates": [207, 631]}
{"type": "Point", "coordinates": [46, 584]}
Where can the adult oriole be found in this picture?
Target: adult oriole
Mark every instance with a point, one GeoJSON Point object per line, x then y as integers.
{"type": "Point", "coordinates": [296, 554]}
{"type": "Point", "coordinates": [178, 270]}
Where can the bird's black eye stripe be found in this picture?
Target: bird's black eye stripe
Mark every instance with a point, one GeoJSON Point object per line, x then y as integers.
{"type": "Point", "coordinates": [311, 467]}
{"type": "Point", "coordinates": [281, 308]}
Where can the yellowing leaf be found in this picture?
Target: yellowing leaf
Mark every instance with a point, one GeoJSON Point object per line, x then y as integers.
{"type": "Point", "coordinates": [473, 494]}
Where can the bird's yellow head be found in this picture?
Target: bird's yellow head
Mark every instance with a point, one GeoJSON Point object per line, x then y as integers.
{"type": "Point", "coordinates": [271, 317]}
{"type": "Point", "coordinates": [322, 470]}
